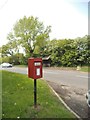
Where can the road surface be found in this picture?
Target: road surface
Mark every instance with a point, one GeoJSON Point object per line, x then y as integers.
{"type": "Point", "coordinates": [64, 77]}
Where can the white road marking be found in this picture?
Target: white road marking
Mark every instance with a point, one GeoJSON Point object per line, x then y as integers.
{"type": "Point", "coordinates": [50, 72]}
{"type": "Point", "coordinates": [83, 76]}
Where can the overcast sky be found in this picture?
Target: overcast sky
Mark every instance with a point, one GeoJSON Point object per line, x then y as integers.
{"type": "Point", "coordinates": [68, 18]}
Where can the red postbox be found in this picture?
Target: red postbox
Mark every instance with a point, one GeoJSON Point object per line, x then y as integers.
{"type": "Point", "coordinates": [35, 68]}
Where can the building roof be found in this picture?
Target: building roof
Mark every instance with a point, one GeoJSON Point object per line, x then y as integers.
{"type": "Point", "coordinates": [46, 58]}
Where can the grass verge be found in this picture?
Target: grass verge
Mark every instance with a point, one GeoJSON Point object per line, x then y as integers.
{"type": "Point", "coordinates": [17, 99]}
{"type": "Point", "coordinates": [85, 69]}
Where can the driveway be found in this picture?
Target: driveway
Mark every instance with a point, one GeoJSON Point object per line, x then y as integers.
{"type": "Point", "coordinates": [69, 84]}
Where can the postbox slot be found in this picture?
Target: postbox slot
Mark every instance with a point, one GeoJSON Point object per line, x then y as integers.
{"type": "Point", "coordinates": [37, 63]}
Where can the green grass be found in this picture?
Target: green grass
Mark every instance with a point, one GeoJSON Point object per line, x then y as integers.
{"type": "Point", "coordinates": [17, 97]}
{"type": "Point", "coordinates": [85, 69]}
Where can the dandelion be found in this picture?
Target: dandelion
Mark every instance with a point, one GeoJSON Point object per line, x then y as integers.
{"type": "Point", "coordinates": [22, 88]}
{"type": "Point", "coordinates": [18, 117]}
{"type": "Point", "coordinates": [18, 84]}
{"type": "Point", "coordinates": [46, 103]}
{"type": "Point", "coordinates": [15, 103]}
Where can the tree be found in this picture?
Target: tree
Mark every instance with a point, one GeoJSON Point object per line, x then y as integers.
{"type": "Point", "coordinates": [82, 50]}
{"type": "Point", "coordinates": [31, 35]}
{"type": "Point", "coordinates": [59, 49]}
{"type": "Point", "coordinates": [9, 49]}
{"type": "Point", "coordinates": [70, 52]}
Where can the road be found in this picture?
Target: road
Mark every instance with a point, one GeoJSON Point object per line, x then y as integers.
{"type": "Point", "coordinates": [69, 84]}
{"type": "Point", "coordinates": [64, 77]}
{"type": "Point", "coordinates": [70, 78]}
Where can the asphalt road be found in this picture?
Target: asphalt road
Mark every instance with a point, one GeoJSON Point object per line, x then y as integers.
{"type": "Point", "coordinates": [64, 77]}
{"type": "Point", "coordinates": [70, 78]}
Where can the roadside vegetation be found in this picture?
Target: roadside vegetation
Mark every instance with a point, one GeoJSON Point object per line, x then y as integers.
{"type": "Point", "coordinates": [30, 36]}
{"type": "Point", "coordinates": [81, 68]}
{"type": "Point", "coordinates": [85, 69]}
{"type": "Point", "coordinates": [17, 99]}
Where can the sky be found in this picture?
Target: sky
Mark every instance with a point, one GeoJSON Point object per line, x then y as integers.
{"type": "Point", "coordinates": [67, 18]}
